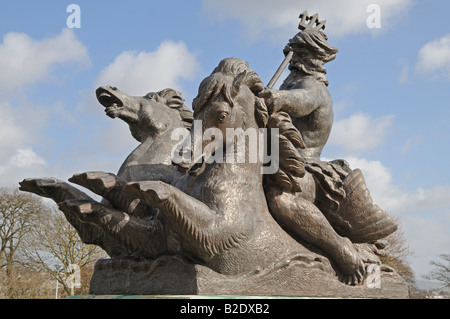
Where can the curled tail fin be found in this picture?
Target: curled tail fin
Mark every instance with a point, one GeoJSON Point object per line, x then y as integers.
{"type": "Point", "coordinates": [361, 220]}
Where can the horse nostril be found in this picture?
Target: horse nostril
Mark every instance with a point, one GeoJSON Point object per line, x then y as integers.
{"type": "Point", "coordinates": [114, 88]}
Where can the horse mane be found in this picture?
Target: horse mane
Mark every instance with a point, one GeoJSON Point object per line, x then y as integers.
{"type": "Point", "coordinates": [175, 101]}
{"type": "Point", "coordinates": [226, 80]}
{"type": "Point", "coordinates": [291, 164]}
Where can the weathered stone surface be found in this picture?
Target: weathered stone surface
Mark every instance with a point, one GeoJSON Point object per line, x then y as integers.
{"type": "Point", "coordinates": [292, 279]}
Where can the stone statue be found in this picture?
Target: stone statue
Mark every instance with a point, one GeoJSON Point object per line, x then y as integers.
{"type": "Point", "coordinates": [201, 215]}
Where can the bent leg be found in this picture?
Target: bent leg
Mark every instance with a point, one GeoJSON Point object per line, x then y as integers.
{"type": "Point", "coordinates": [137, 236]}
{"type": "Point", "coordinates": [60, 191]}
{"type": "Point", "coordinates": [306, 222]}
{"type": "Point", "coordinates": [111, 188]}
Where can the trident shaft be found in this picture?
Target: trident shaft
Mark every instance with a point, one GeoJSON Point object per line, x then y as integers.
{"type": "Point", "coordinates": [280, 70]}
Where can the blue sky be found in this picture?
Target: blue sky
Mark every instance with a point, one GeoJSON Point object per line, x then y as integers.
{"type": "Point", "coordinates": [390, 87]}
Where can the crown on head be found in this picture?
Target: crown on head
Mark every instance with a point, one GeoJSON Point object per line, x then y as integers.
{"type": "Point", "coordinates": [311, 22]}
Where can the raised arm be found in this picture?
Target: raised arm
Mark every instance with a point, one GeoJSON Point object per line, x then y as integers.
{"type": "Point", "coordinates": [297, 102]}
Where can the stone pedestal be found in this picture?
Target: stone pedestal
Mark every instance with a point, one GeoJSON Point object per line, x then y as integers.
{"type": "Point", "coordinates": [176, 276]}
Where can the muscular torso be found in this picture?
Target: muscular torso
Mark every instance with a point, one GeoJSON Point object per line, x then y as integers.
{"type": "Point", "coordinates": [310, 107]}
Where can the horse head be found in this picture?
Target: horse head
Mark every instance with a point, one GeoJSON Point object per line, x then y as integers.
{"type": "Point", "coordinates": [226, 103]}
{"type": "Point", "coordinates": [147, 116]}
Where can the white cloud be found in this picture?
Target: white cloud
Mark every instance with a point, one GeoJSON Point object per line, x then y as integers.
{"type": "Point", "coordinates": [27, 61]}
{"type": "Point", "coordinates": [22, 163]}
{"type": "Point", "coordinates": [428, 237]}
{"type": "Point", "coordinates": [360, 132]}
{"type": "Point", "coordinates": [138, 73]}
{"type": "Point", "coordinates": [24, 60]}
{"type": "Point", "coordinates": [19, 127]}
{"type": "Point", "coordinates": [10, 132]}
{"type": "Point", "coordinates": [25, 157]}
{"type": "Point", "coordinates": [434, 57]}
{"type": "Point", "coordinates": [273, 19]}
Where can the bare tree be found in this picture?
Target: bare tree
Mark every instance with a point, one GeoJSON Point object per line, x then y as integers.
{"type": "Point", "coordinates": [37, 246]}
{"type": "Point", "coordinates": [18, 215]}
{"type": "Point", "coordinates": [396, 254]}
{"type": "Point", "coordinates": [55, 247]}
{"type": "Point", "coordinates": [25, 284]}
{"type": "Point", "coordinates": [441, 271]}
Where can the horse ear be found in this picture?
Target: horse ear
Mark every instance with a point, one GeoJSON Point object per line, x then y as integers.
{"type": "Point", "coordinates": [237, 83]}
{"type": "Point", "coordinates": [175, 102]}
{"type": "Point", "coordinates": [174, 99]}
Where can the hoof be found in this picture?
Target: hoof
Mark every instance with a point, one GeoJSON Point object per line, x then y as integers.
{"type": "Point", "coordinates": [97, 182]}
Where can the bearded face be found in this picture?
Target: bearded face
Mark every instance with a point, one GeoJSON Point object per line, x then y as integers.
{"type": "Point", "coordinates": [311, 52]}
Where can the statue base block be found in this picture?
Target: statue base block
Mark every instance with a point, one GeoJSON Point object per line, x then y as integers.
{"type": "Point", "coordinates": [176, 276]}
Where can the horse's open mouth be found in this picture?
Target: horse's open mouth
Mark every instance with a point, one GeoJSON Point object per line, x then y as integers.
{"type": "Point", "coordinates": [110, 101]}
